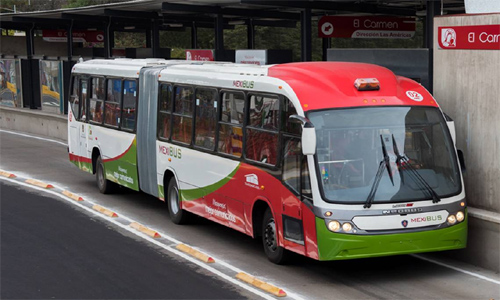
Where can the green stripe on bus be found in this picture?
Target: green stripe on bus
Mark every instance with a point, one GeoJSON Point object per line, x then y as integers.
{"type": "Point", "coordinates": [193, 194]}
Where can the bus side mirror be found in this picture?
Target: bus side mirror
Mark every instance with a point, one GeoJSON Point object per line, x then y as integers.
{"type": "Point", "coordinates": [461, 159]}
{"type": "Point", "coordinates": [308, 134]}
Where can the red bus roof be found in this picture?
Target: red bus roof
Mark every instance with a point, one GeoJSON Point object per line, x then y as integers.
{"type": "Point", "coordinates": [321, 85]}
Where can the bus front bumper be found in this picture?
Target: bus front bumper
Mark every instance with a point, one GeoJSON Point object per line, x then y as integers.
{"type": "Point", "coordinates": [338, 246]}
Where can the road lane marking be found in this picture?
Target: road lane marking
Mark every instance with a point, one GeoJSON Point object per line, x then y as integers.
{"type": "Point", "coordinates": [456, 269]}
{"type": "Point", "coordinates": [171, 249]}
{"type": "Point", "coordinates": [145, 230]}
{"type": "Point", "coordinates": [34, 137]}
{"type": "Point", "coordinates": [261, 284]}
{"type": "Point", "coordinates": [195, 253]}
{"type": "Point", "coordinates": [105, 211]}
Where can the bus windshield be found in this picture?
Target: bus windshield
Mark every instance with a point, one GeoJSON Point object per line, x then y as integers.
{"type": "Point", "coordinates": [350, 151]}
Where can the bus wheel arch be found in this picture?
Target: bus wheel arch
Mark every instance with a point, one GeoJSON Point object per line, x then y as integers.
{"type": "Point", "coordinates": [173, 200]}
{"type": "Point", "coordinates": [95, 154]}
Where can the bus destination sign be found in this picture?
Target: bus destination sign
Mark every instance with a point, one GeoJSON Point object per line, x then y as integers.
{"type": "Point", "coordinates": [366, 27]}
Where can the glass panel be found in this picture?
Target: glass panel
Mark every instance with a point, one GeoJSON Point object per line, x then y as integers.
{"type": "Point", "coordinates": [114, 90]}
{"type": "Point", "coordinates": [350, 145]}
{"type": "Point", "coordinates": [230, 140]}
{"type": "Point", "coordinates": [182, 129]}
{"type": "Point", "coordinates": [51, 85]}
{"type": "Point", "coordinates": [10, 83]}
{"type": "Point", "coordinates": [129, 103]}
{"type": "Point", "coordinates": [112, 112]}
{"type": "Point", "coordinates": [206, 116]}
{"type": "Point", "coordinates": [286, 125]}
{"type": "Point", "coordinates": [292, 154]}
{"type": "Point", "coordinates": [233, 105]}
{"type": "Point", "coordinates": [184, 101]}
{"type": "Point", "coordinates": [95, 113]}
{"type": "Point", "coordinates": [165, 98]}
{"type": "Point", "coordinates": [261, 146]}
{"type": "Point", "coordinates": [164, 125]}
{"type": "Point", "coordinates": [98, 90]}
{"type": "Point", "coordinates": [264, 112]}
{"type": "Point", "coordinates": [83, 109]}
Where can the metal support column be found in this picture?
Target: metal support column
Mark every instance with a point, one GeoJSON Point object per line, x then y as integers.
{"type": "Point", "coordinates": [219, 35]}
{"type": "Point", "coordinates": [306, 35]}
{"type": "Point", "coordinates": [250, 34]}
{"type": "Point", "coordinates": [149, 34]}
{"type": "Point", "coordinates": [107, 44]}
{"type": "Point", "coordinates": [155, 37]}
{"type": "Point", "coordinates": [29, 90]}
{"type": "Point", "coordinates": [327, 43]}
{"type": "Point", "coordinates": [194, 36]}
{"type": "Point", "coordinates": [433, 9]}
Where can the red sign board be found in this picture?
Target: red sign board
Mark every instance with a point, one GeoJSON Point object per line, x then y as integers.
{"type": "Point", "coordinates": [203, 55]}
{"type": "Point", "coordinates": [79, 36]}
{"type": "Point", "coordinates": [366, 27]}
{"type": "Point", "coordinates": [483, 37]}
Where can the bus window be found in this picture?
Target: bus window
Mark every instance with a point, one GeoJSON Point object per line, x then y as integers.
{"type": "Point", "coordinates": [291, 163]}
{"type": "Point", "coordinates": [112, 103]}
{"type": "Point", "coordinates": [96, 100]}
{"type": "Point", "coordinates": [74, 100]}
{"type": "Point", "coordinates": [287, 111]}
{"type": "Point", "coordinates": [231, 123]}
{"type": "Point", "coordinates": [262, 131]}
{"type": "Point", "coordinates": [83, 108]}
{"type": "Point", "coordinates": [206, 118]}
{"type": "Point", "coordinates": [183, 114]}
{"type": "Point", "coordinates": [129, 104]}
{"type": "Point", "coordinates": [165, 108]}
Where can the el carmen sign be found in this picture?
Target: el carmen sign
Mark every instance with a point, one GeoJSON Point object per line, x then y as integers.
{"type": "Point", "coordinates": [374, 27]}
{"type": "Point", "coordinates": [79, 36]}
{"type": "Point", "coordinates": [479, 37]}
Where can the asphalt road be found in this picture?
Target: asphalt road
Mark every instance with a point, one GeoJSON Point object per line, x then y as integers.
{"type": "Point", "coordinates": [398, 277]}
{"type": "Point", "coordinates": [50, 250]}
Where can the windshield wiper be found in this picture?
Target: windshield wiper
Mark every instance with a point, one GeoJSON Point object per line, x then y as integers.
{"type": "Point", "coordinates": [384, 162]}
{"type": "Point", "coordinates": [403, 163]}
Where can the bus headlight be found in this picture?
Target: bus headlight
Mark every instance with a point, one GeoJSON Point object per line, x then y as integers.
{"type": "Point", "coordinates": [460, 216]}
{"type": "Point", "coordinates": [452, 219]}
{"type": "Point", "coordinates": [334, 226]}
{"type": "Point", "coordinates": [347, 227]}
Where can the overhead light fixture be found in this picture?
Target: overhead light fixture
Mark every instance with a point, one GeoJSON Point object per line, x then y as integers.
{"type": "Point", "coordinates": [129, 27]}
{"type": "Point", "coordinates": [92, 29]}
{"type": "Point", "coordinates": [175, 25]}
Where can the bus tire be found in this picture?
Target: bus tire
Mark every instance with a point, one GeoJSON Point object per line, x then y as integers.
{"type": "Point", "coordinates": [177, 215]}
{"type": "Point", "coordinates": [274, 252]}
{"type": "Point", "coordinates": [105, 186]}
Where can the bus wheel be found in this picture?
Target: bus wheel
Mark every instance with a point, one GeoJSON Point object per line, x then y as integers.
{"type": "Point", "coordinates": [105, 186]}
{"type": "Point", "coordinates": [274, 252]}
{"type": "Point", "coordinates": [177, 215]}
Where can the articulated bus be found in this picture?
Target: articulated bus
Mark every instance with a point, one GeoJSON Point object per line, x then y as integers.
{"type": "Point", "coordinates": [329, 160]}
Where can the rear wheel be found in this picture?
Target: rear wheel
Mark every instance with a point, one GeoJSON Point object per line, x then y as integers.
{"type": "Point", "coordinates": [274, 252]}
{"type": "Point", "coordinates": [177, 215]}
{"type": "Point", "coordinates": [105, 186]}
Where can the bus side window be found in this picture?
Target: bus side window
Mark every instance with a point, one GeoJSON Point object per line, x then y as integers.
{"type": "Point", "coordinates": [112, 103]}
{"type": "Point", "coordinates": [165, 111]}
{"type": "Point", "coordinates": [129, 104]}
{"type": "Point", "coordinates": [287, 111]}
{"type": "Point", "coordinates": [262, 130]}
{"type": "Point", "coordinates": [206, 118]}
{"type": "Point", "coordinates": [183, 114]}
{"type": "Point", "coordinates": [96, 100]}
{"type": "Point", "coordinates": [74, 100]}
{"type": "Point", "coordinates": [291, 163]}
{"type": "Point", "coordinates": [231, 124]}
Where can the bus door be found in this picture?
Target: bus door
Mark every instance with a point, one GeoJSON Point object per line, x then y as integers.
{"type": "Point", "coordinates": [82, 151]}
{"type": "Point", "coordinates": [293, 163]}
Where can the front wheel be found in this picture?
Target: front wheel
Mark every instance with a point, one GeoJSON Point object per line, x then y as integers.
{"type": "Point", "coordinates": [105, 186]}
{"type": "Point", "coordinates": [177, 215]}
{"type": "Point", "coordinates": [274, 252]}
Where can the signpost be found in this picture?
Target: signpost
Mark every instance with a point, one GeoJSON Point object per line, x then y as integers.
{"type": "Point", "coordinates": [363, 27]}
{"type": "Point", "coordinates": [479, 37]}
